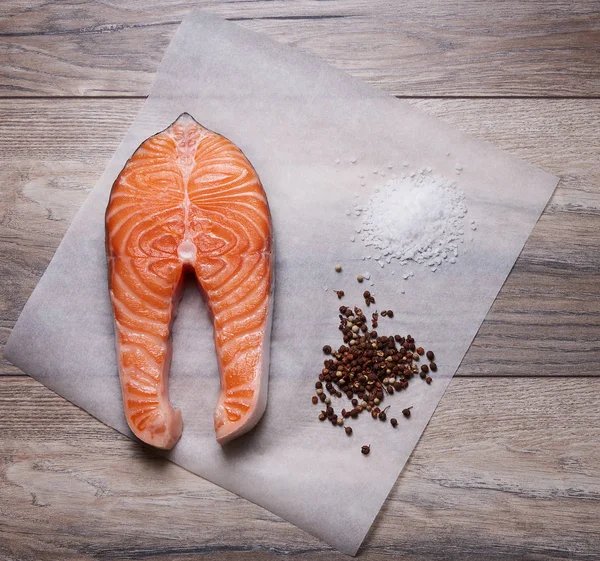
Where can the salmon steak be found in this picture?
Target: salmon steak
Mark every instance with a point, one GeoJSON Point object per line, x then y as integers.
{"type": "Point", "coordinates": [189, 202]}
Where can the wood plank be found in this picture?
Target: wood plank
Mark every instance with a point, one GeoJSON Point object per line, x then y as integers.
{"type": "Point", "coordinates": [546, 319]}
{"type": "Point", "coordinates": [418, 48]}
{"type": "Point", "coordinates": [507, 469]}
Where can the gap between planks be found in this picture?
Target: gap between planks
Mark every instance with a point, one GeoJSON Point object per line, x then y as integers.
{"type": "Point", "coordinates": [420, 96]}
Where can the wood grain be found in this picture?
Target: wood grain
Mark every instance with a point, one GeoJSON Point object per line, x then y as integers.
{"type": "Point", "coordinates": [415, 48]}
{"type": "Point", "coordinates": [497, 475]}
{"type": "Point", "coordinates": [546, 319]}
{"type": "Point", "coordinates": [507, 468]}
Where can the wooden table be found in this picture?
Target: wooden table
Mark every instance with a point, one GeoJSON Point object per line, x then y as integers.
{"type": "Point", "coordinates": [509, 467]}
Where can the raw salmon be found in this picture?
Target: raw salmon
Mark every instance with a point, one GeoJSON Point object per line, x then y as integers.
{"type": "Point", "coordinates": [188, 199]}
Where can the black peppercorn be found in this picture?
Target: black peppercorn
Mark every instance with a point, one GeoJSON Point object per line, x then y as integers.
{"type": "Point", "coordinates": [348, 430]}
{"type": "Point", "coordinates": [406, 412]}
{"type": "Point", "coordinates": [430, 355]}
{"type": "Point", "coordinates": [394, 422]}
{"type": "Point", "coordinates": [433, 366]}
{"type": "Point", "coordinates": [365, 450]}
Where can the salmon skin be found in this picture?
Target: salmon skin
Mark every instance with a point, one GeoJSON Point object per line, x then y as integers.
{"type": "Point", "coordinates": [189, 200]}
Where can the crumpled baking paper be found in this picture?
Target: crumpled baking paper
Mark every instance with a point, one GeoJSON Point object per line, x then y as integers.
{"type": "Point", "coordinates": [294, 117]}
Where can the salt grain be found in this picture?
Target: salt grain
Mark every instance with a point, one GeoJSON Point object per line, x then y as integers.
{"type": "Point", "coordinates": [418, 219]}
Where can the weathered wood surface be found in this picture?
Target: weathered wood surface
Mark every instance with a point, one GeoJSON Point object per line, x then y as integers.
{"type": "Point", "coordinates": [546, 320]}
{"type": "Point", "coordinates": [409, 48]}
{"type": "Point", "coordinates": [507, 469]}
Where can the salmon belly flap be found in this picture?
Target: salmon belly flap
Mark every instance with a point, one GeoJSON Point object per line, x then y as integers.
{"type": "Point", "coordinates": [189, 200]}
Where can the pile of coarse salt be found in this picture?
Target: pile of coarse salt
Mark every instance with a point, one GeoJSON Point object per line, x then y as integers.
{"type": "Point", "coordinates": [417, 217]}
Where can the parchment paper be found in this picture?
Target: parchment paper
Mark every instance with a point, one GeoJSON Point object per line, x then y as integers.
{"type": "Point", "coordinates": [293, 116]}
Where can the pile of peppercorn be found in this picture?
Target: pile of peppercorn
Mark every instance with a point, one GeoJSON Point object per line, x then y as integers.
{"type": "Point", "coordinates": [368, 367]}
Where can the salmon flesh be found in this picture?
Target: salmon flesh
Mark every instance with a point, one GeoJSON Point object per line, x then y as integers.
{"type": "Point", "coordinates": [189, 200]}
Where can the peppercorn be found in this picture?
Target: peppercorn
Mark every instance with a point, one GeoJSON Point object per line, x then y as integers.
{"type": "Point", "coordinates": [340, 294]}
{"type": "Point", "coordinates": [338, 268]}
{"type": "Point", "coordinates": [382, 416]}
{"type": "Point", "coordinates": [340, 421]}
{"type": "Point", "coordinates": [428, 379]}
{"type": "Point", "coordinates": [384, 313]}
{"type": "Point", "coordinates": [433, 366]}
{"type": "Point", "coordinates": [365, 450]}
{"type": "Point", "coordinates": [390, 314]}
{"type": "Point", "coordinates": [366, 294]}
{"type": "Point", "coordinates": [394, 422]}
{"type": "Point", "coordinates": [421, 351]}
{"type": "Point", "coordinates": [423, 375]}
{"type": "Point", "coordinates": [322, 416]}
{"type": "Point", "coordinates": [360, 278]}
{"type": "Point", "coordinates": [348, 430]}
{"type": "Point", "coordinates": [406, 412]}
{"type": "Point", "coordinates": [424, 368]}
{"type": "Point", "coordinates": [430, 355]}
{"type": "Point", "coordinates": [315, 399]}
{"type": "Point", "coordinates": [327, 349]}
